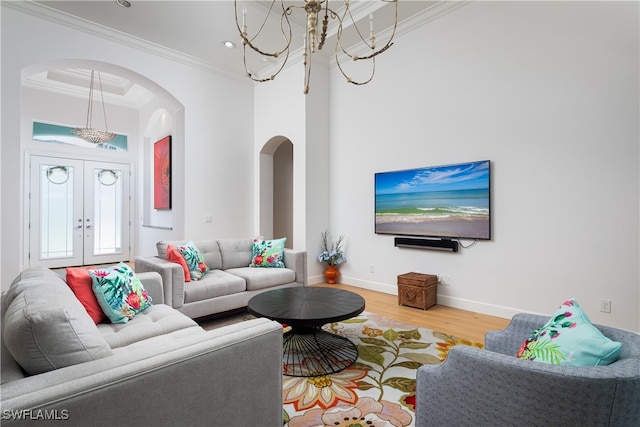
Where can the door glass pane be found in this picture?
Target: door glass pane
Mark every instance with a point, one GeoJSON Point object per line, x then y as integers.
{"type": "Point", "coordinates": [56, 211]}
{"type": "Point", "coordinates": [108, 211]}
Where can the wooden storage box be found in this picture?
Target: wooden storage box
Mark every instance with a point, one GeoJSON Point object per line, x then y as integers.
{"type": "Point", "coordinates": [418, 290]}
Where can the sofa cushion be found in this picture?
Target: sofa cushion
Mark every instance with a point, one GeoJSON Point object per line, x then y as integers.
{"type": "Point", "coordinates": [81, 283]}
{"type": "Point", "coordinates": [235, 252]}
{"type": "Point", "coordinates": [174, 255]}
{"type": "Point", "coordinates": [194, 259]}
{"type": "Point", "coordinates": [214, 284]}
{"type": "Point", "coordinates": [261, 278]}
{"type": "Point", "coordinates": [119, 292]}
{"type": "Point", "coordinates": [569, 339]}
{"type": "Point", "coordinates": [268, 253]}
{"type": "Point", "coordinates": [46, 327]}
{"type": "Point", "coordinates": [157, 320]}
{"type": "Point", "coordinates": [208, 248]}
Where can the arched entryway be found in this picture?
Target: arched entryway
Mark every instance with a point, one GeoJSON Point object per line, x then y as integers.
{"type": "Point", "coordinates": [138, 108]}
{"type": "Point", "coordinates": [276, 189]}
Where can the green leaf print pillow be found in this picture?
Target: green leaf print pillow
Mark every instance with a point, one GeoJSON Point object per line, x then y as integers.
{"type": "Point", "coordinates": [569, 339]}
{"type": "Point", "coordinates": [119, 292]}
{"type": "Point", "coordinates": [194, 259]}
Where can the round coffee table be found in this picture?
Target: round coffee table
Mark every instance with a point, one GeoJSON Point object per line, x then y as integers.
{"type": "Point", "coordinates": [309, 350]}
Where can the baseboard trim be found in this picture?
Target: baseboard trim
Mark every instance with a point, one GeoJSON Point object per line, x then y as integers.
{"type": "Point", "coordinates": [449, 301]}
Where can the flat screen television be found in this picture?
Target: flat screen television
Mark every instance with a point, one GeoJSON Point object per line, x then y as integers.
{"type": "Point", "coordinates": [448, 202]}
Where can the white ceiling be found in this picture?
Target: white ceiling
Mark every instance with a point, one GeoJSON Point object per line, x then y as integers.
{"type": "Point", "coordinates": [195, 30]}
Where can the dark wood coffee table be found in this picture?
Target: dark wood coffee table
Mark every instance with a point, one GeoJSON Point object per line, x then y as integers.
{"type": "Point", "coordinates": [309, 350]}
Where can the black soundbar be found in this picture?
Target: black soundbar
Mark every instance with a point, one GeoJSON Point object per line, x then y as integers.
{"type": "Point", "coordinates": [441, 245]}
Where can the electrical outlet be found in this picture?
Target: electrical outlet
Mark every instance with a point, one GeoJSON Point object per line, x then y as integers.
{"type": "Point", "coordinates": [605, 305]}
{"type": "Point", "coordinates": [445, 279]}
{"type": "Point", "coordinates": [208, 219]}
{"type": "Point", "coordinates": [372, 269]}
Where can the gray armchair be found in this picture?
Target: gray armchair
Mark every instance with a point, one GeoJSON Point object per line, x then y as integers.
{"type": "Point", "coordinates": [475, 387]}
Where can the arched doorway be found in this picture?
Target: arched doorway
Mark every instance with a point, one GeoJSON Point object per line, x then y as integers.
{"type": "Point", "coordinates": [134, 104]}
{"type": "Point", "coordinates": [276, 189]}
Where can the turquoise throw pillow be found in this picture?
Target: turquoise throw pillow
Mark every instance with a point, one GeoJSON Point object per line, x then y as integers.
{"type": "Point", "coordinates": [194, 259]}
{"type": "Point", "coordinates": [569, 339]}
{"type": "Point", "coordinates": [119, 292]}
{"type": "Point", "coordinates": [268, 253]}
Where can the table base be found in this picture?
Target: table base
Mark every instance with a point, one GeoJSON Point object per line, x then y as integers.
{"type": "Point", "coordinates": [315, 352]}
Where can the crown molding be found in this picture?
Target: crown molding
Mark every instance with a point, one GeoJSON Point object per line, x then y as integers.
{"type": "Point", "coordinates": [436, 11]}
{"type": "Point", "coordinates": [42, 11]}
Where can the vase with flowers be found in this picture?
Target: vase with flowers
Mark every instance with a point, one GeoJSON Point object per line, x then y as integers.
{"type": "Point", "coordinates": [331, 254]}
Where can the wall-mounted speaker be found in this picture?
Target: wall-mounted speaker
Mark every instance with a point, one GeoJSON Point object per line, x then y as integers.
{"type": "Point", "coordinates": [441, 245]}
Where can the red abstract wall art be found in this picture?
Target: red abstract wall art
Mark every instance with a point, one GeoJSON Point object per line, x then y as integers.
{"type": "Point", "coordinates": [162, 173]}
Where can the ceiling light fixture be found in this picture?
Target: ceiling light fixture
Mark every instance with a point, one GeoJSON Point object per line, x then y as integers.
{"type": "Point", "coordinates": [123, 3]}
{"type": "Point", "coordinates": [89, 134]}
{"type": "Point", "coordinates": [315, 37]}
{"type": "Point", "coordinates": [228, 44]}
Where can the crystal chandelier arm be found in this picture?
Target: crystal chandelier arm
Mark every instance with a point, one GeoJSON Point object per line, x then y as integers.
{"type": "Point", "coordinates": [89, 134]}
{"type": "Point", "coordinates": [90, 106]}
{"type": "Point", "coordinates": [104, 110]}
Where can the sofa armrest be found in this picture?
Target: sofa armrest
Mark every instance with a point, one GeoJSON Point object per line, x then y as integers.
{"type": "Point", "coordinates": [479, 387]}
{"type": "Point", "coordinates": [508, 340]}
{"type": "Point", "coordinates": [297, 261]}
{"type": "Point", "coordinates": [152, 282]}
{"type": "Point", "coordinates": [172, 277]}
{"type": "Point", "coordinates": [200, 381]}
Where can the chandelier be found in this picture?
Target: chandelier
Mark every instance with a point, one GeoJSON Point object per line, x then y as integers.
{"type": "Point", "coordinates": [315, 36]}
{"type": "Point", "coordinates": [89, 134]}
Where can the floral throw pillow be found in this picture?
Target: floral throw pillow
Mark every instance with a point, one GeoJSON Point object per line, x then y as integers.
{"type": "Point", "coordinates": [194, 259]}
{"type": "Point", "coordinates": [569, 339]}
{"type": "Point", "coordinates": [119, 292]}
{"type": "Point", "coordinates": [268, 253]}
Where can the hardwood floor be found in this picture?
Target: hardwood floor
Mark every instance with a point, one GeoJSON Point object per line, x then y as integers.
{"type": "Point", "coordinates": [453, 321]}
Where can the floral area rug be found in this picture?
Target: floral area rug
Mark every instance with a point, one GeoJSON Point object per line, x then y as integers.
{"type": "Point", "coordinates": [379, 389]}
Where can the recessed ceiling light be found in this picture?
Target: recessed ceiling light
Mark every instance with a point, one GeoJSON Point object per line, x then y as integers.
{"type": "Point", "coordinates": [124, 3]}
{"type": "Point", "coordinates": [228, 44]}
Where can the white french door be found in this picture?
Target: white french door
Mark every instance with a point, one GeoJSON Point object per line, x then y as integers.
{"type": "Point", "coordinates": [79, 212]}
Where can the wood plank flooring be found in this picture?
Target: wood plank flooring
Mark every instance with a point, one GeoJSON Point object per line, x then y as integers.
{"type": "Point", "coordinates": [453, 321]}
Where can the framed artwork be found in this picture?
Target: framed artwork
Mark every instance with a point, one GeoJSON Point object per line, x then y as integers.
{"type": "Point", "coordinates": [162, 173]}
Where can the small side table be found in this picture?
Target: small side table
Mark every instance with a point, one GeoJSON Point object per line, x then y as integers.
{"type": "Point", "coordinates": [418, 290]}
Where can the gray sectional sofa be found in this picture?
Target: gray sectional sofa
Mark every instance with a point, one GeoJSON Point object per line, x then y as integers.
{"type": "Point", "coordinates": [160, 368]}
{"type": "Point", "coordinates": [229, 284]}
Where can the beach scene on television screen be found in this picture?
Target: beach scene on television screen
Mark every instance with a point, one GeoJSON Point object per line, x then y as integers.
{"type": "Point", "coordinates": [442, 201]}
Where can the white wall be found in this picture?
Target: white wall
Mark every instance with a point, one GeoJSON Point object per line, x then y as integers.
{"type": "Point", "coordinates": [548, 92]}
{"type": "Point", "coordinates": [218, 177]}
{"type": "Point", "coordinates": [281, 109]}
